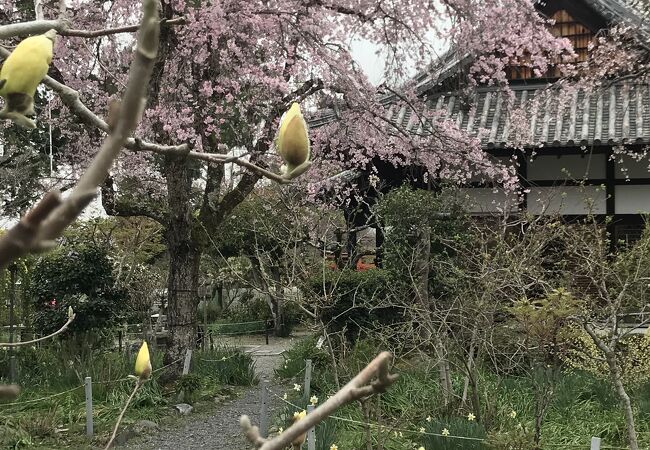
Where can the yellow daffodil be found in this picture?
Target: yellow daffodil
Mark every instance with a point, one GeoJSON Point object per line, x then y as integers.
{"type": "Point", "coordinates": [313, 400]}
{"type": "Point", "coordinates": [143, 362]}
{"type": "Point", "coordinates": [284, 397]}
{"type": "Point", "coordinates": [334, 447]}
{"type": "Point", "coordinates": [299, 415]}
{"type": "Point", "coordinates": [471, 417]}
{"type": "Point", "coordinates": [296, 387]}
{"type": "Point", "coordinates": [421, 448]}
{"type": "Point", "coordinates": [513, 414]}
{"type": "Point", "coordinates": [429, 419]}
{"type": "Point", "coordinates": [421, 429]}
{"type": "Point", "coordinates": [281, 430]}
{"type": "Point", "coordinates": [445, 432]}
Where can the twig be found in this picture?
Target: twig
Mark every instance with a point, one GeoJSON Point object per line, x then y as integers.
{"type": "Point", "coordinates": [52, 215]}
{"type": "Point", "coordinates": [121, 416]}
{"type": "Point", "coordinates": [358, 388]}
{"type": "Point", "coordinates": [62, 27]}
{"type": "Point", "coordinates": [49, 336]}
{"type": "Point", "coordinates": [72, 100]}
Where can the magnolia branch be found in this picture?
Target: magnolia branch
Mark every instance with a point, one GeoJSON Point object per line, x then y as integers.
{"type": "Point", "coordinates": [44, 338]}
{"type": "Point", "coordinates": [360, 387]}
{"type": "Point", "coordinates": [62, 27]}
{"type": "Point", "coordinates": [46, 222]}
{"type": "Point", "coordinates": [138, 383]}
{"type": "Point", "coordinates": [72, 100]}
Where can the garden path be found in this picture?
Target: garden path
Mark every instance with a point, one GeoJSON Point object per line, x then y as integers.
{"type": "Point", "coordinates": [219, 430]}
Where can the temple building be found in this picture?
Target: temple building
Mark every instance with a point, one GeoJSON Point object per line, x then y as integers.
{"type": "Point", "coordinates": [570, 165]}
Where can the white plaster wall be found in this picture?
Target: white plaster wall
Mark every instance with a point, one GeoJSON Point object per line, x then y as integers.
{"type": "Point", "coordinates": [632, 168]}
{"type": "Point", "coordinates": [571, 167]}
{"type": "Point", "coordinates": [632, 199]}
{"type": "Point", "coordinates": [488, 200]}
{"type": "Point", "coordinates": [505, 160]}
{"type": "Point", "coordinates": [567, 200]}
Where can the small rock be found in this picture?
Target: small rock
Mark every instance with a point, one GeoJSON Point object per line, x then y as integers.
{"type": "Point", "coordinates": [183, 408]}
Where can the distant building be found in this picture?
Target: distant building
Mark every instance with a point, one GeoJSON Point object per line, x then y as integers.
{"type": "Point", "coordinates": [569, 167]}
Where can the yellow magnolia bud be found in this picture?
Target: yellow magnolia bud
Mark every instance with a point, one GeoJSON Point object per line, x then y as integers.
{"type": "Point", "coordinates": [292, 142]}
{"type": "Point", "coordinates": [20, 75]}
{"type": "Point", "coordinates": [143, 362]}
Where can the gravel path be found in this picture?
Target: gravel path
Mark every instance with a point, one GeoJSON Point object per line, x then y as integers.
{"type": "Point", "coordinates": [220, 430]}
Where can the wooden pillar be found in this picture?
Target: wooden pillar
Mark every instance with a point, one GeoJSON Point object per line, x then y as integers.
{"type": "Point", "coordinates": [379, 244]}
{"type": "Point", "coordinates": [522, 174]}
{"type": "Point", "coordinates": [610, 201]}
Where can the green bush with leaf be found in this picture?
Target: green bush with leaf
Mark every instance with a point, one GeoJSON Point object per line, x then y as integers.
{"type": "Point", "coordinates": [80, 277]}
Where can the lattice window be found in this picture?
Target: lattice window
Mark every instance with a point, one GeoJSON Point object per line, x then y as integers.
{"type": "Point", "coordinates": [565, 26]}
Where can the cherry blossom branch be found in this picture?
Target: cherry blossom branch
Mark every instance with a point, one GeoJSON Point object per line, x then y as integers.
{"type": "Point", "coordinates": [72, 100]}
{"type": "Point", "coordinates": [49, 336]}
{"type": "Point", "coordinates": [62, 26]}
{"type": "Point", "coordinates": [52, 214]}
{"type": "Point", "coordinates": [360, 387]}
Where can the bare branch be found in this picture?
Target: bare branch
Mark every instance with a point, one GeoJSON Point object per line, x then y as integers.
{"type": "Point", "coordinates": [359, 387]}
{"type": "Point", "coordinates": [52, 215]}
{"type": "Point", "coordinates": [49, 336]}
{"type": "Point", "coordinates": [62, 27]}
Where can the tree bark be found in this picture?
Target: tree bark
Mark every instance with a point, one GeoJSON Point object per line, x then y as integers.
{"type": "Point", "coordinates": [184, 258]}
{"type": "Point", "coordinates": [421, 268]}
{"type": "Point", "coordinates": [624, 398]}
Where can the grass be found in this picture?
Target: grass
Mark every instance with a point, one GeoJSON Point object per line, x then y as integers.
{"type": "Point", "coordinates": [583, 406]}
{"type": "Point", "coordinates": [59, 422]}
{"type": "Point", "coordinates": [225, 327]}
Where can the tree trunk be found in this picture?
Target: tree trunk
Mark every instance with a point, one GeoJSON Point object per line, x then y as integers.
{"type": "Point", "coordinates": [281, 327]}
{"type": "Point", "coordinates": [421, 267]}
{"type": "Point", "coordinates": [624, 398]}
{"type": "Point", "coordinates": [184, 258]}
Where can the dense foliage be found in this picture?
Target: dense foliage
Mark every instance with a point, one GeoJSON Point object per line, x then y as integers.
{"type": "Point", "coordinates": [80, 277]}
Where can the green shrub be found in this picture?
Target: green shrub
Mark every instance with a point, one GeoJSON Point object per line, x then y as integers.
{"type": "Point", "coordinates": [455, 426]}
{"type": "Point", "coordinates": [189, 385]}
{"type": "Point", "coordinates": [225, 366]}
{"type": "Point", "coordinates": [81, 277]}
{"type": "Point", "coordinates": [295, 357]}
{"type": "Point", "coordinates": [346, 288]}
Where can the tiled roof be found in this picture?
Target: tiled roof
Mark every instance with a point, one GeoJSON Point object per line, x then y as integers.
{"type": "Point", "coordinates": [616, 115]}
{"type": "Point", "coordinates": [616, 11]}
{"type": "Point", "coordinates": [619, 114]}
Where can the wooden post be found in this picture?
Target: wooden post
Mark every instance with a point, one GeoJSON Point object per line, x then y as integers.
{"type": "Point", "coordinates": [307, 379]}
{"type": "Point", "coordinates": [205, 322]}
{"type": "Point", "coordinates": [12, 369]}
{"type": "Point", "coordinates": [311, 434]}
{"type": "Point", "coordinates": [188, 360]}
{"type": "Point", "coordinates": [595, 443]}
{"type": "Point", "coordinates": [89, 406]}
{"type": "Point", "coordinates": [12, 302]}
{"type": "Point", "coordinates": [264, 410]}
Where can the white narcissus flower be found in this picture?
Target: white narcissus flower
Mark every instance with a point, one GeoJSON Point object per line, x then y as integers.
{"type": "Point", "coordinates": [313, 400]}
